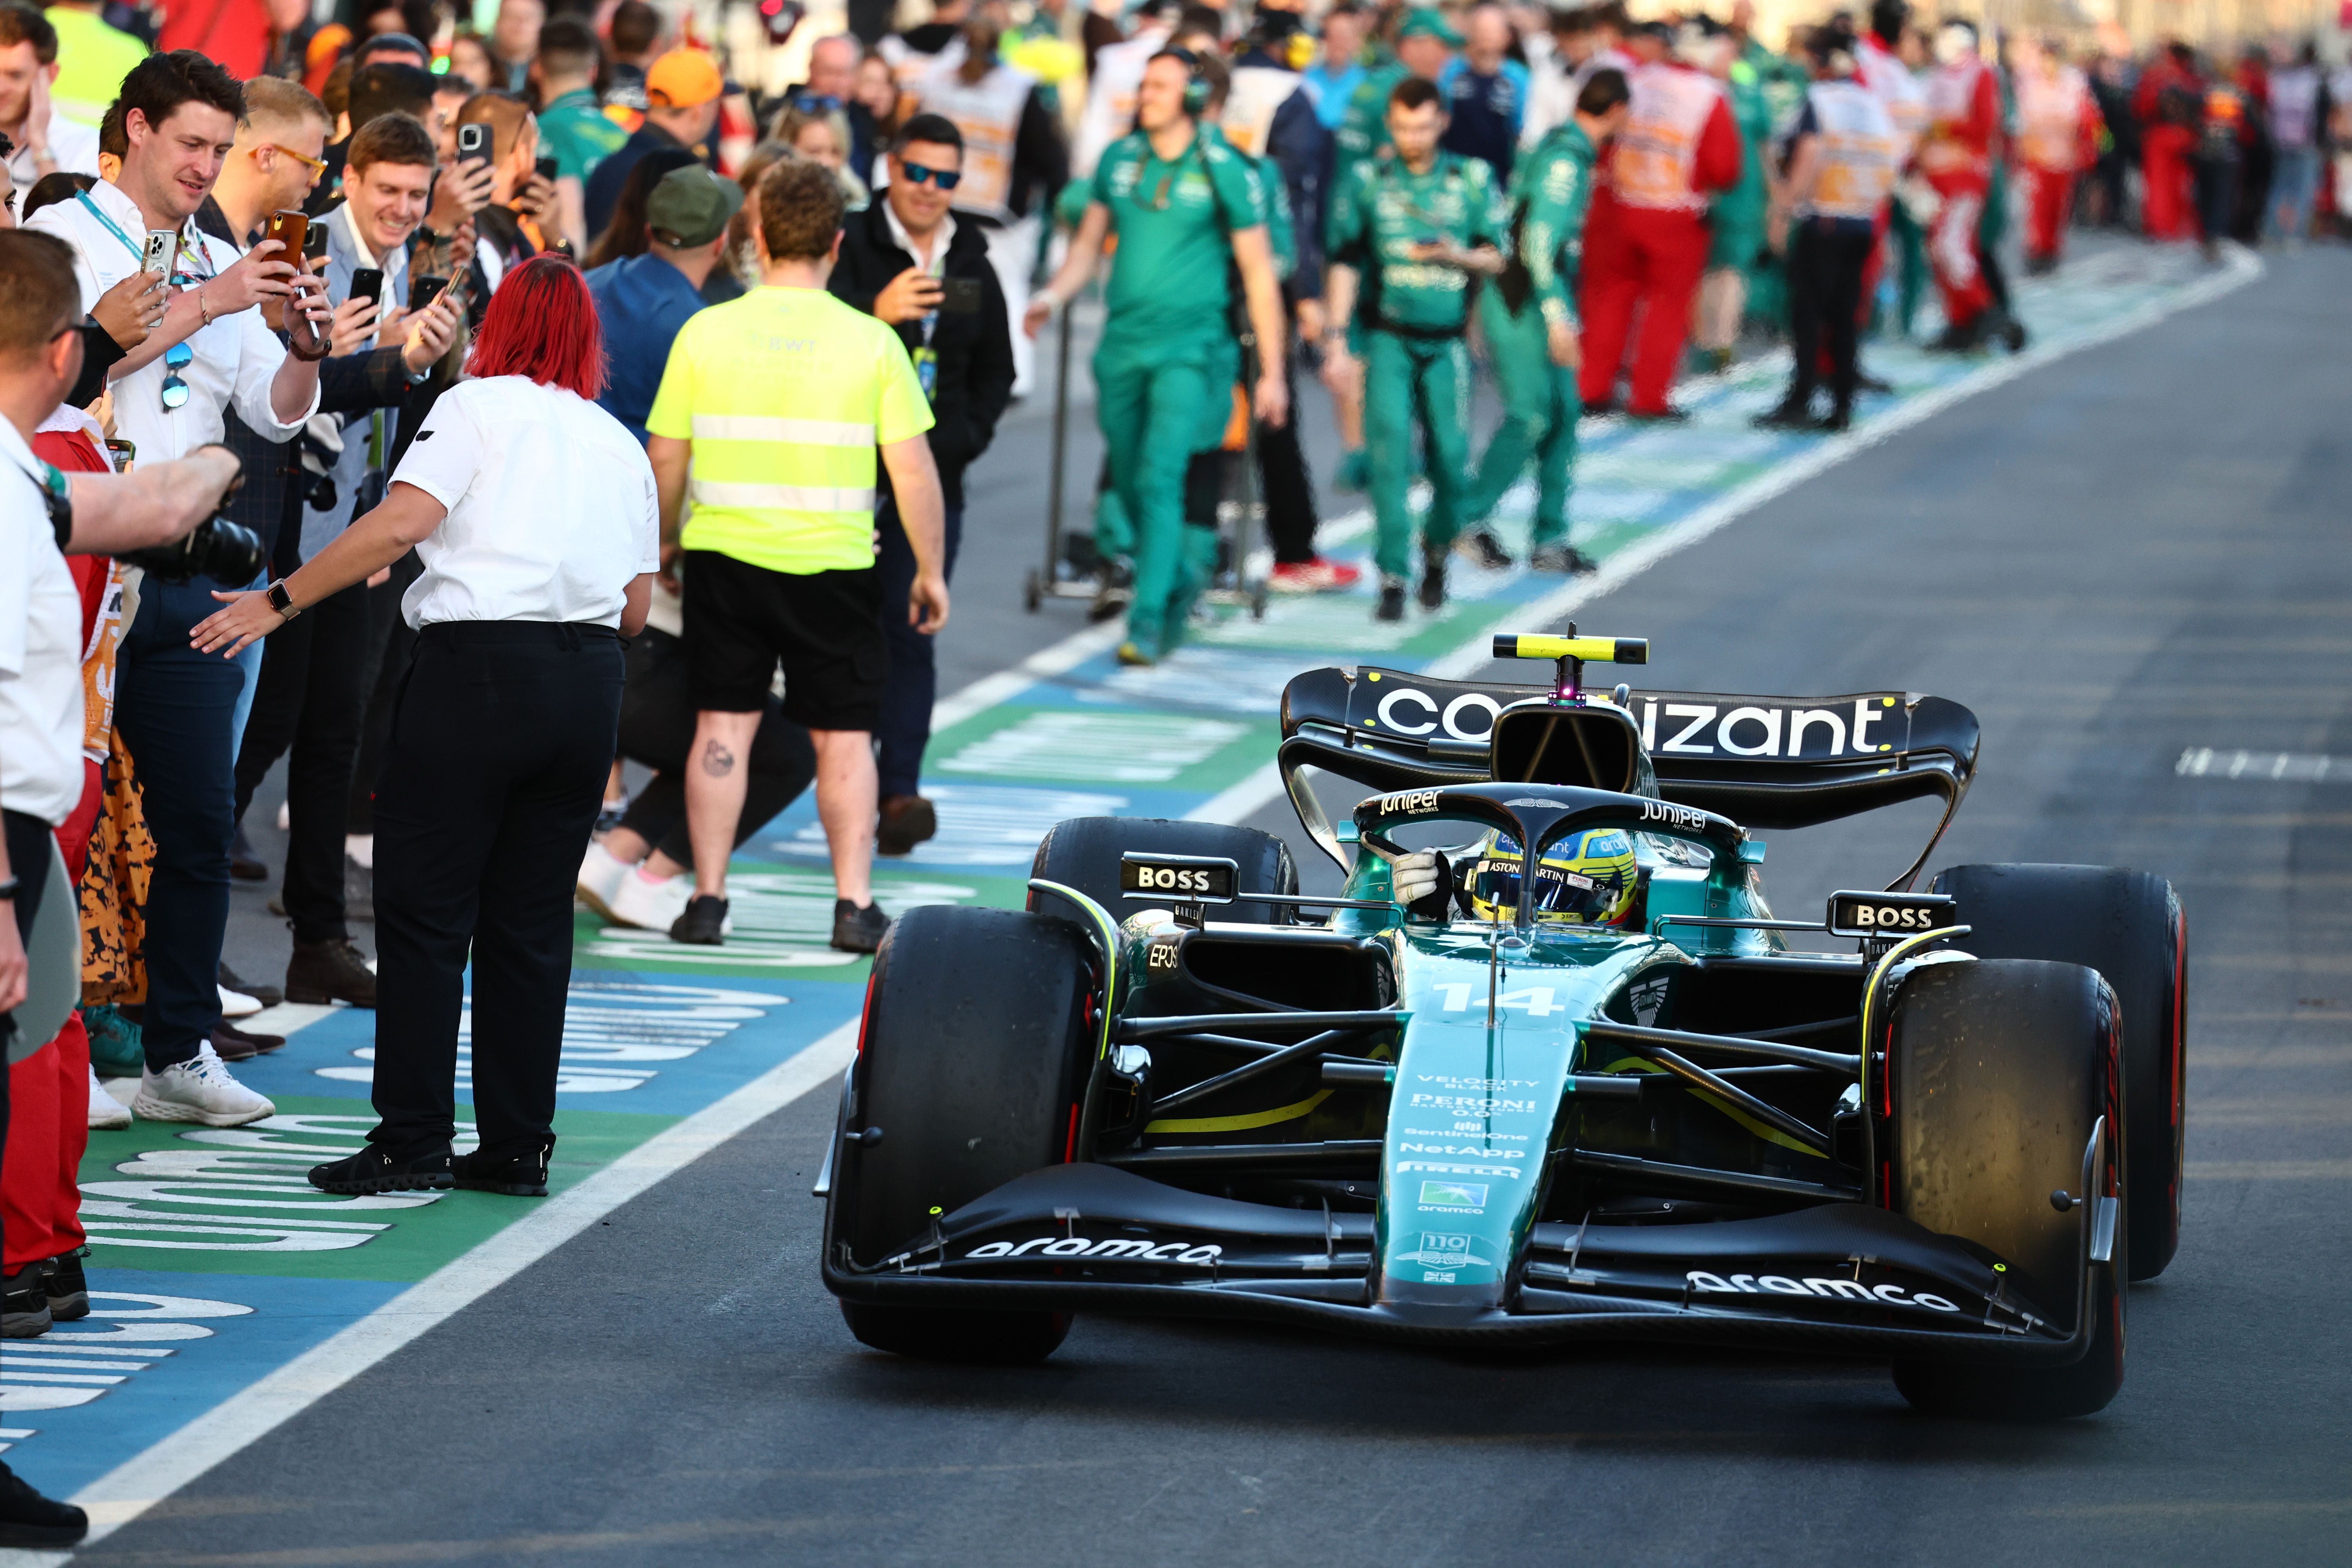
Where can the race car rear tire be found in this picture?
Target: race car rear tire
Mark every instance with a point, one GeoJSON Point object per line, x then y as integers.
{"type": "Point", "coordinates": [1998, 1071]}
{"type": "Point", "coordinates": [2129, 927]}
{"type": "Point", "coordinates": [970, 1067]}
{"type": "Point", "coordinates": [1083, 853]}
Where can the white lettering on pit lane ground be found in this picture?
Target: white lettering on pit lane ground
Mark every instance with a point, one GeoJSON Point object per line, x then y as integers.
{"type": "Point", "coordinates": [1194, 677]}
{"type": "Point", "coordinates": [1096, 748]}
{"type": "Point", "coordinates": [610, 1022]}
{"type": "Point", "coordinates": [125, 1334]}
{"type": "Point", "coordinates": [782, 920]}
{"type": "Point", "coordinates": [1832, 1290]}
{"type": "Point", "coordinates": [245, 1189]}
{"type": "Point", "coordinates": [980, 825]}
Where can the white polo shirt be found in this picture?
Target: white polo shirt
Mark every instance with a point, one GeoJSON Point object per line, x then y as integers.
{"type": "Point", "coordinates": [236, 357]}
{"type": "Point", "coordinates": [40, 648]}
{"type": "Point", "coordinates": [551, 506]}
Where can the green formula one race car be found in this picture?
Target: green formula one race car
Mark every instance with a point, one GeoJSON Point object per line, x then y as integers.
{"type": "Point", "coordinates": [1548, 1071]}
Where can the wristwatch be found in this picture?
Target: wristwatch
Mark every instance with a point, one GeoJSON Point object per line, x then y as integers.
{"type": "Point", "coordinates": [7, 889]}
{"type": "Point", "coordinates": [281, 600]}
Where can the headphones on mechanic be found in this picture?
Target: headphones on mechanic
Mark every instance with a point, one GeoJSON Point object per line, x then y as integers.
{"type": "Point", "coordinates": [1196, 83]}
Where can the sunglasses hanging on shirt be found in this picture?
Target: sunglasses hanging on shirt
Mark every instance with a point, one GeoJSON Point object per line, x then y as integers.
{"type": "Point", "coordinates": [176, 358]}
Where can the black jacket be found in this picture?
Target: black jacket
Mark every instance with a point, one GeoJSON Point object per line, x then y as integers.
{"type": "Point", "coordinates": [975, 349]}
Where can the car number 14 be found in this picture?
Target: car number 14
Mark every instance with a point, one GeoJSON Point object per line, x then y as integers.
{"type": "Point", "coordinates": [1534, 1000]}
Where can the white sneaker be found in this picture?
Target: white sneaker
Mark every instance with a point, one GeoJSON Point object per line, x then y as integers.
{"type": "Point", "coordinates": [360, 848]}
{"type": "Point", "coordinates": [285, 816]}
{"type": "Point", "coordinates": [106, 1112]}
{"type": "Point", "coordinates": [600, 875]}
{"type": "Point", "coordinates": [198, 1090]}
{"type": "Point", "coordinates": [651, 905]}
{"type": "Point", "coordinates": [237, 1004]}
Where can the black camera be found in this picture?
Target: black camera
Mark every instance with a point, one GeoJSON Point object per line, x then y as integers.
{"type": "Point", "coordinates": [227, 553]}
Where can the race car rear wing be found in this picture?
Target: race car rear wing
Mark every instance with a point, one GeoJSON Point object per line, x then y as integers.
{"type": "Point", "coordinates": [1763, 761]}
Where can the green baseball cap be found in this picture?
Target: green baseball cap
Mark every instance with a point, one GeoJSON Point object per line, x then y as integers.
{"type": "Point", "coordinates": [693, 206]}
{"type": "Point", "coordinates": [1429, 22]}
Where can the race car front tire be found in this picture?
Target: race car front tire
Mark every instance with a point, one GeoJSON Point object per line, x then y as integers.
{"type": "Point", "coordinates": [970, 1070]}
{"type": "Point", "coordinates": [1083, 853]}
{"type": "Point", "coordinates": [1997, 1072]}
{"type": "Point", "coordinates": [2129, 927]}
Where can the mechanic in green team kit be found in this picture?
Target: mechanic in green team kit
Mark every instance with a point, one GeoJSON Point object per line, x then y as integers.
{"type": "Point", "coordinates": [1528, 318]}
{"type": "Point", "coordinates": [1190, 213]}
{"type": "Point", "coordinates": [1406, 233]}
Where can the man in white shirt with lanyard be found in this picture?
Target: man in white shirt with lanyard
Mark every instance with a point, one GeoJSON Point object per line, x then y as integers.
{"type": "Point", "coordinates": [175, 708]}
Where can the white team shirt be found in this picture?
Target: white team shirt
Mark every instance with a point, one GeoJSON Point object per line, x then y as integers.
{"type": "Point", "coordinates": [551, 506]}
{"type": "Point", "coordinates": [236, 357]}
{"type": "Point", "coordinates": [40, 649]}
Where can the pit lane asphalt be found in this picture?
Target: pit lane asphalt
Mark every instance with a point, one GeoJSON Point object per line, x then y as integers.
{"type": "Point", "coordinates": [2131, 552]}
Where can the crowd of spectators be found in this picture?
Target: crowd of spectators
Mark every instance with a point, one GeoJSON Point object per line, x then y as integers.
{"type": "Point", "coordinates": [267, 241]}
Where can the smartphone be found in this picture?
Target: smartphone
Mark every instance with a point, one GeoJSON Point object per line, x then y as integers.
{"type": "Point", "coordinates": [424, 290]}
{"type": "Point", "coordinates": [123, 453]}
{"type": "Point", "coordinates": [314, 244]}
{"type": "Point", "coordinates": [546, 167]}
{"type": "Point", "coordinates": [474, 143]}
{"type": "Point", "coordinates": [367, 283]}
{"type": "Point", "coordinates": [162, 252]}
{"type": "Point", "coordinates": [288, 228]}
{"type": "Point", "coordinates": [962, 295]}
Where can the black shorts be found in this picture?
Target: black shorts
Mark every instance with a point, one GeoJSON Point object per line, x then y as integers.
{"type": "Point", "coordinates": [826, 628]}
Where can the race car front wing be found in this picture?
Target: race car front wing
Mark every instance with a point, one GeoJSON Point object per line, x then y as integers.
{"type": "Point", "coordinates": [1841, 1276]}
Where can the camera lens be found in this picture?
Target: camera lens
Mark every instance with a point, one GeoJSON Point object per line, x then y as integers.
{"type": "Point", "coordinates": [227, 553]}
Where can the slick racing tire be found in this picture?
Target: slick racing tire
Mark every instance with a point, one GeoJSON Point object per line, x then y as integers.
{"type": "Point", "coordinates": [1998, 1071]}
{"type": "Point", "coordinates": [1083, 853]}
{"type": "Point", "coordinates": [2129, 927]}
{"type": "Point", "coordinates": [971, 1067]}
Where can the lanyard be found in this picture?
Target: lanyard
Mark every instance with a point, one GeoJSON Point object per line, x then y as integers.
{"type": "Point", "coordinates": [137, 255]}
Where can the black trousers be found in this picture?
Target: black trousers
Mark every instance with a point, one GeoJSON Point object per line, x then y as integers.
{"type": "Point", "coordinates": [172, 707]}
{"type": "Point", "coordinates": [1825, 267]}
{"type": "Point", "coordinates": [310, 698]}
{"type": "Point", "coordinates": [502, 736]}
{"type": "Point", "coordinates": [912, 686]}
{"type": "Point", "coordinates": [657, 729]}
{"type": "Point", "coordinates": [1287, 487]}
{"type": "Point", "coordinates": [391, 642]}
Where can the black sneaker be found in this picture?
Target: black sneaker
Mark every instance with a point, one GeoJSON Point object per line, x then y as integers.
{"type": "Point", "coordinates": [267, 995]}
{"type": "Point", "coordinates": [373, 1170]}
{"type": "Point", "coordinates": [245, 1040]}
{"type": "Point", "coordinates": [25, 1301]}
{"type": "Point", "coordinates": [1792, 413]}
{"type": "Point", "coordinates": [1561, 556]}
{"type": "Point", "coordinates": [1481, 545]}
{"type": "Point", "coordinates": [28, 1518]}
{"type": "Point", "coordinates": [857, 929]}
{"type": "Point", "coordinates": [1432, 579]}
{"type": "Point", "coordinates": [63, 1283]}
{"type": "Point", "coordinates": [704, 924]}
{"type": "Point", "coordinates": [332, 971]}
{"type": "Point", "coordinates": [2013, 333]}
{"type": "Point", "coordinates": [518, 1173]}
{"type": "Point", "coordinates": [229, 1047]}
{"type": "Point", "coordinates": [1392, 607]}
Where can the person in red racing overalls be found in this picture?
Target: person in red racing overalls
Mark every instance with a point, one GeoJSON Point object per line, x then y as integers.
{"type": "Point", "coordinates": [1956, 158]}
{"type": "Point", "coordinates": [2058, 124]}
{"type": "Point", "coordinates": [1646, 240]}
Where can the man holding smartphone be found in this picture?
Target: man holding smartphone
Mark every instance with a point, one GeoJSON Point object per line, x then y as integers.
{"type": "Point", "coordinates": [212, 353]}
{"type": "Point", "coordinates": [907, 261]}
{"type": "Point", "coordinates": [312, 686]}
{"type": "Point", "coordinates": [498, 129]}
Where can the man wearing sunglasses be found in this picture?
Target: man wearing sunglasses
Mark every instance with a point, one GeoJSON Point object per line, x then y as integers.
{"type": "Point", "coordinates": [898, 260]}
{"type": "Point", "coordinates": [211, 353]}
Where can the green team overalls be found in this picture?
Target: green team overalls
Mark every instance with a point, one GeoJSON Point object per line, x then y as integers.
{"type": "Point", "coordinates": [1550, 190]}
{"type": "Point", "coordinates": [1737, 215]}
{"type": "Point", "coordinates": [1409, 322]}
{"type": "Point", "coordinates": [1364, 129]}
{"type": "Point", "coordinates": [1165, 367]}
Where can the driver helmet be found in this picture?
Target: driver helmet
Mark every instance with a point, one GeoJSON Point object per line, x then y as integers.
{"type": "Point", "coordinates": [1584, 879]}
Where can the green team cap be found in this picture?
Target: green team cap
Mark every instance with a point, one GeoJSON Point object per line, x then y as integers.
{"type": "Point", "coordinates": [1429, 22]}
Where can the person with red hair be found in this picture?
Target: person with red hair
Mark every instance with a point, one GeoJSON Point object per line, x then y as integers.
{"type": "Point", "coordinates": [534, 512]}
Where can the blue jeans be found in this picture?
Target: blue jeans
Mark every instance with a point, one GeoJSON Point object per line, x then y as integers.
{"type": "Point", "coordinates": [2294, 183]}
{"type": "Point", "coordinates": [174, 708]}
{"type": "Point", "coordinates": [913, 686]}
